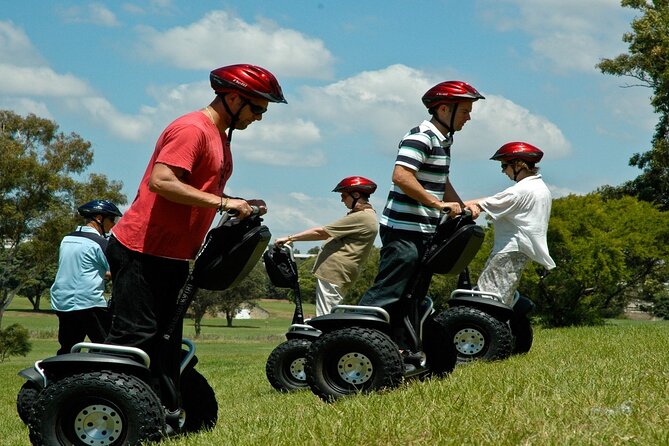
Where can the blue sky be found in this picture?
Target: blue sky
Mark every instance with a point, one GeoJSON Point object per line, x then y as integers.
{"type": "Point", "coordinates": [353, 72]}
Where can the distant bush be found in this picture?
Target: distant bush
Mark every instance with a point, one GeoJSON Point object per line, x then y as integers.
{"type": "Point", "coordinates": [14, 341]}
{"type": "Point", "coordinates": [661, 306]}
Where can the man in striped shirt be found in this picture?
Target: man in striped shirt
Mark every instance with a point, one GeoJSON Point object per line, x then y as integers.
{"type": "Point", "coordinates": [421, 191]}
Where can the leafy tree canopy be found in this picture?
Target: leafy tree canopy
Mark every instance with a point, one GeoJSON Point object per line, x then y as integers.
{"type": "Point", "coordinates": [41, 186]}
{"type": "Point", "coordinates": [648, 63]}
{"type": "Point", "coordinates": [606, 251]}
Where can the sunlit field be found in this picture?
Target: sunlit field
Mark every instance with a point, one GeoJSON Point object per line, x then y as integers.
{"type": "Point", "coordinates": [603, 385]}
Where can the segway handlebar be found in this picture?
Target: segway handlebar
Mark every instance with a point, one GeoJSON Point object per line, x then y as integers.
{"type": "Point", "coordinates": [466, 212]}
{"type": "Point", "coordinates": [255, 210]}
{"type": "Point", "coordinates": [288, 247]}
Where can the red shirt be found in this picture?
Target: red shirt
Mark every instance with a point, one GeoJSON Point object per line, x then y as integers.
{"type": "Point", "coordinates": [159, 227]}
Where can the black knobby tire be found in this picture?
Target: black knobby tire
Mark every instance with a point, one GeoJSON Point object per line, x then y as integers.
{"type": "Point", "coordinates": [476, 334]}
{"type": "Point", "coordinates": [285, 367]}
{"type": "Point", "coordinates": [198, 400]}
{"type": "Point", "coordinates": [523, 336]}
{"type": "Point", "coordinates": [352, 360]}
{"type": "Point", "coordinates": [103, 408]}
{"type": "Point", "coordinates": [26, 399]}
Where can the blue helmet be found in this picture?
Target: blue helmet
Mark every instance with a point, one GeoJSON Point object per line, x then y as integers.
{"type": "Point", "coordinates": [99, 207]}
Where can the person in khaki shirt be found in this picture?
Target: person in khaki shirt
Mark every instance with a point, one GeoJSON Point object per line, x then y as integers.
{"type": "Point", "coordinates": [349, 241]}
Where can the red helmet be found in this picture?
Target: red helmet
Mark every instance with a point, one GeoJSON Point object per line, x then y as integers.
{"type": "Point", "coordinates": [249, 80]}
{"type": "Point", "coordinates": [356, 184]}
{"type": "Point", "coordinates": [449, 92]}
{"type": "Point", "coordinates": [518, 150]}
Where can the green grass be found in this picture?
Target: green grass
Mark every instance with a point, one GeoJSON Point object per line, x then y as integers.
{"type": "Point", "coordinates": [579, 386]}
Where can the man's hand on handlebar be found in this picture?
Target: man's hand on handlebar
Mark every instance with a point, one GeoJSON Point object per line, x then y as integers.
{"type": "Point", "coordinates": [244, 208]}
{"type": "Point", "coordinates": [452, 208]}
{"type": "Point", "coordinates": [262, 206]}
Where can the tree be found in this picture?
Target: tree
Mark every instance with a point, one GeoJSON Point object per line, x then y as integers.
{"type": "Point", "coordinates": [605, 252]}
{"type": "Point", "coordinates": [230, 301]}
{"type": "Point", "coordinates": [648, 63]}
{"type": "Point", "coordinates": [246, 293]}
{"type": "Point", "coordinates": [204, 302]}
{"type": "Point", "coordinates": [14, 341]}
{"type": "Point", "coordinates": [39, 195]}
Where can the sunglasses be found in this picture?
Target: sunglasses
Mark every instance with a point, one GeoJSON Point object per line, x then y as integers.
{"type": "Point", "coordinates": [504, 166]}
{"type": "Point", "coordinates": [256, 109]}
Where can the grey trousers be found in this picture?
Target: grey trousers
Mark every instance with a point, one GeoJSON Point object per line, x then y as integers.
{"type": "Point", "coordinates": [502, 273]}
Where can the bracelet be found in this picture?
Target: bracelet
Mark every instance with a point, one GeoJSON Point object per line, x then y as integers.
{"type": "Point", "coordinates": [290, 238]}
{"type": "Point", "coordinates": [224, 204]}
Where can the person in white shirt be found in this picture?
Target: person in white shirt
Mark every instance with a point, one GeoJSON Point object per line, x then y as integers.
{"type": "Point", "coordinates": [520, 216]}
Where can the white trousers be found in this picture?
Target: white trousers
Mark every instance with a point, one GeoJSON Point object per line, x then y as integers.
{"type": "Point", "coordinates": [327, 296]}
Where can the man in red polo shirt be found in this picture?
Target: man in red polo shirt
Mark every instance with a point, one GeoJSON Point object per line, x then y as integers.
{"type": "Point", "coordinates": [180, 192]}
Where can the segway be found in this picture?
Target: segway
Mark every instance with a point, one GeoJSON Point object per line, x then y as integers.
{"type": "Point", "coordinates": [106, 395]}
{"type": "Point", "coordinates": [285, 365]}
{"type": "Point", "coordinates": [482, 327]}
{"type": "Point", "coordinates": [356, 351]}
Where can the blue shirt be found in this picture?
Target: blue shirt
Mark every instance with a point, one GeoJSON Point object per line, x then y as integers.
{"type": "Point", "coordinates": [79, 282]}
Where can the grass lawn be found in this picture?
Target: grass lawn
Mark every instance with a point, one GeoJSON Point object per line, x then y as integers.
{"type": "Point", "coordinates": [578, 386]}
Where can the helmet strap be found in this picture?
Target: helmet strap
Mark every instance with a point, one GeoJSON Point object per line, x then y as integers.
{"type": "Point", "coordinates": [234, 117]}
{"type": "Point", "coordinates": [450, 127]}
{"type": "Point", "coordinates": [101, 226]}
{"type": "Point", "coordinates": [356, 198]}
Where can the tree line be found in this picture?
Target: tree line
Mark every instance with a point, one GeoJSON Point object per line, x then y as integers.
{"type": "Point", "coordinates": [610, 245]}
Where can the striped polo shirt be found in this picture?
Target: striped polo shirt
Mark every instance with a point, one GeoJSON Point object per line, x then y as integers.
{"type": "Point", "coordinates": [426, 151]}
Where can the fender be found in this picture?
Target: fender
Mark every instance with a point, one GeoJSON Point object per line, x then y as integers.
{"type": "Point", "coordinates": [482, 301]}
{"type": "Point", "coordinates": [71, 363]}
{"type": "Point", "coordinates": [302, 331]}
{"type": "Point", "coordinates": [338, 320]}
{"type": "Point", "coordinates": [130, 360]}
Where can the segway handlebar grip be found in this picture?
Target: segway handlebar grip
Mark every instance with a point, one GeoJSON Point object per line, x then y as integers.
{"type": "Point", "coordinates": [255, 210]}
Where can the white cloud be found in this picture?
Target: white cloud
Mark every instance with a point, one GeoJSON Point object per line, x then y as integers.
{"type": "Point", "coordinates": [39, 81]}
{"type": "Point", "coordinates": [569, 35]}
{"type": "Point", "coordinates": [496, 121]}
{"type": "Point", "coordinates": [16, 47]}
{"type": "Point", "coordinates": [286, 143]}
{"type": "Point", "coordinates": [386, 101]}
{"type": "Point", "coordinates": [25, 106]}
{"type": "Point", "coordinates": [559, 192]}
{"type": "Point", "coordinates": [101, 111]}
{"type": "Point", "coordinates": [219, 37]}
{"type": "Point", "coordinates": [94, 13]}
{"type": "Point", "coordinates": [295, 212]}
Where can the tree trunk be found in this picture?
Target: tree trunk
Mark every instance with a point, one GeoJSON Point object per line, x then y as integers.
{"type": "Point", "coordinates": [228, 317]}
{"type": "Point", "coordinates": [35, 301]}
{"type": "Point", "coordinates": [6, 297]}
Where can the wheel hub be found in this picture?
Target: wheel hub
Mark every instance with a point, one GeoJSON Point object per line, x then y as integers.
{"type": "Point", "coordinates": [469, 341]}
{"type": "Point", "coordinates": [355, 368]}
{"type": "Point", "coordinates": [98, 424]}
{"type": "Point", "coordinates": [297, 369]}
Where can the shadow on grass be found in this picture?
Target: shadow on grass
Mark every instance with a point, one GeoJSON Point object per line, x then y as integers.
{"type": "Point", "coordinates": [225, 326]}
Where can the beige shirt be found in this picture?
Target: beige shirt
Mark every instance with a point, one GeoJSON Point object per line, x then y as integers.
{"type": "Point", "coordinates": [342, 255]}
